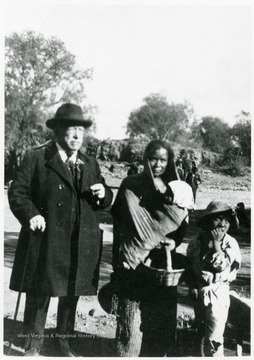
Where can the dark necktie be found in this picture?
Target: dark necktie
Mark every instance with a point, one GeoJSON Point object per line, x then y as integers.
{"type": "Point", "coordinates": [74, 171]}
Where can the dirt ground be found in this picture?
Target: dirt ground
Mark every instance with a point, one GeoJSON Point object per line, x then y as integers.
{"type": "Point", "coordinates": [95, 329]}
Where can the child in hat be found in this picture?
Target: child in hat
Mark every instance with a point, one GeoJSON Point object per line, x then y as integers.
{"type": "Point", "coordinates": [215, 259]}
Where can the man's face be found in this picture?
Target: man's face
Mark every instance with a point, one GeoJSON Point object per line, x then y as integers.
{"type": "Point", "coordinates": [70, 137]}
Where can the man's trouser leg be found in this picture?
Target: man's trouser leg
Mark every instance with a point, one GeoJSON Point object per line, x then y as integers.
{"type": "Point", "coordinates": [66, 313]}
{"type": "Point", "coordinates": [35, 316]}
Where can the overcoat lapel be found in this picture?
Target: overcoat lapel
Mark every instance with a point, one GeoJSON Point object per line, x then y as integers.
{"type": "Point", "coordinates": [54, 160]}
{"type": "Point", "coordinates": [85, 173]}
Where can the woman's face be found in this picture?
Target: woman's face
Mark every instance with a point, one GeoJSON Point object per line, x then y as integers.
{"type": "Point", "coordinates": [159, 161]}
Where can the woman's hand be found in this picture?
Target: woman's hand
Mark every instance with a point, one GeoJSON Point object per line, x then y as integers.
{"type": "Point", "coordinates": [170, 243]}
{"type": "Point", "coordinates": [159, 184]}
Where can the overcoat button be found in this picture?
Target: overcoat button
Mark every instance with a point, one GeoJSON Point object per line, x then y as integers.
{"type": "Point", "coordinates": [61, 186]}
{"type": "Point", "coordinates": [60, 204]}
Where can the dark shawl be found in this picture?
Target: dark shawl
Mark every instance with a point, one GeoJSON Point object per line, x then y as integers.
{"type": "Point", "coordinates": [143, 217]}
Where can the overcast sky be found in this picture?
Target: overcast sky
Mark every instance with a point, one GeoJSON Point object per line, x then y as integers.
{"type": "Point", "coordinates": [193, 52]}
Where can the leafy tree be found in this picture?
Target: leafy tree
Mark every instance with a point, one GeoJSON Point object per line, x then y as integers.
{"type": "Point", "coordinates": [241, 133]}
{"type": "Point", "coordinates": [215, 133]}
{"type": "Point", "coordinates": [195, 133]}
{"type": "Point", "coordinates": [159, 119]}
{"type": "Point", "coordinates": [40, 74]}
{"type": "Point", "coordinates": [133, 151]}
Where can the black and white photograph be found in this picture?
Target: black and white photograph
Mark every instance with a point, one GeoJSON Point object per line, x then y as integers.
{"type": "Point", "coordinates": [127, 178]}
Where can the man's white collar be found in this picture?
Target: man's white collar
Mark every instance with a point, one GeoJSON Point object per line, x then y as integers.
{"type": "Point", "coordinates": [64, 156]}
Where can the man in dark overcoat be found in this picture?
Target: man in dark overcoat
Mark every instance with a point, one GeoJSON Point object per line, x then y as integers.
{"type": "Point", "coordinates": [55, 195]}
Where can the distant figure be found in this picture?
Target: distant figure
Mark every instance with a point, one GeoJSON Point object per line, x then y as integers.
{"type": "Point", "coordinates": [194, 180]}
{"type": "Point", "coordinates": [112, 168]}
{"type": "Point", "coordinates": [187, 166]}
{"type": "Point", "coordinates": [179, 168]}
{"type": "Point", "coordinates": [244, 220]}
{"type": "Point", "coordinates": [193, 162]}
{"type": "Point", "coordinates": [133, 169]}
{"type": "Point", "coordinates": [188, 162]}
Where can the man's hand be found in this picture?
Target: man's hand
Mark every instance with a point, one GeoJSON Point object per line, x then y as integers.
{"type": "Point", "coordinates": [38, 222]}
{"type": "Point", "coordinates": [98, 191]}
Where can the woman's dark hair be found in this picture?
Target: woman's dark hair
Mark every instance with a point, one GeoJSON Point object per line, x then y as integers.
{"type": "Point", "coordinates": [158, 144]}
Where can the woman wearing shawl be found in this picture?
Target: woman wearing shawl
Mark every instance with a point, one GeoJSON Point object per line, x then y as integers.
{"type": "Point", "coordinates": [145, 217]}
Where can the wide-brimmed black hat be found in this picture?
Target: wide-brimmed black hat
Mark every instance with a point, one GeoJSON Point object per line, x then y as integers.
{"type": "Point", "coordinates": [69, 114]}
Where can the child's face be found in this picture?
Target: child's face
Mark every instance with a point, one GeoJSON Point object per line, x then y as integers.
{"type": "Point", "coordinates": [220, 221]}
